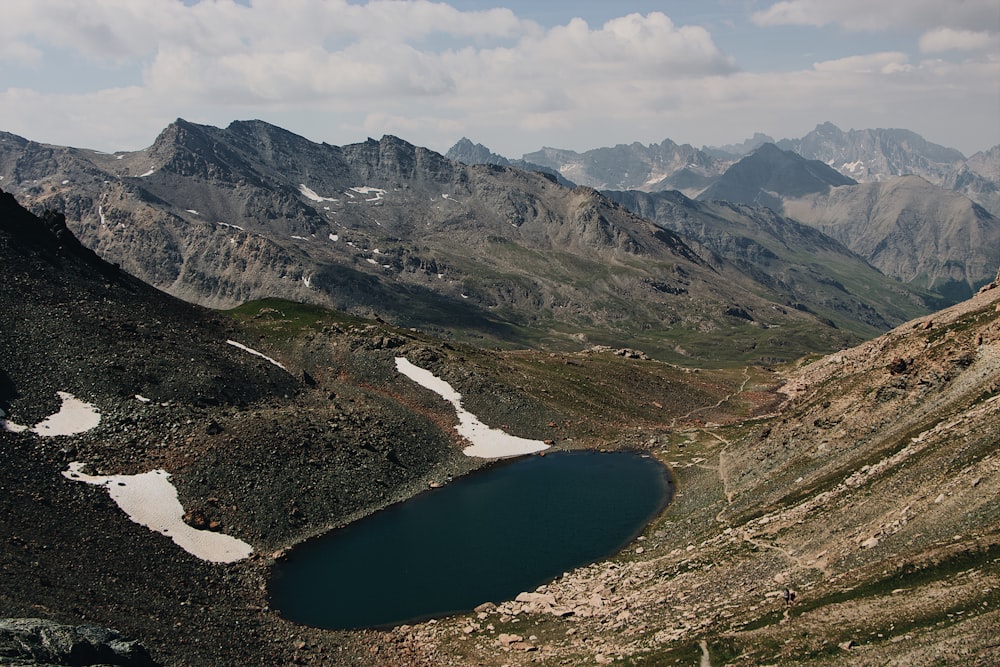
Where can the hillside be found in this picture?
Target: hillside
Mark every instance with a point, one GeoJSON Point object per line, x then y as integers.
{"type": "Point", "coordinates": [390, 230]}
{"type": "Point", "coordinates": [865, 480]}
{"type": "Point", "coordinates": [870, 492]}
{"type": "Point", "coordinates": [812, 270]}
{"type": "Point", "coordinates": [910, 229]}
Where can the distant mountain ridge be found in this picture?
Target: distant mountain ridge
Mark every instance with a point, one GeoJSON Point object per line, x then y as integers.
{"type": "Point", "coordinates": [863, 155]}
{"type": "Point", "coordinates": [663, 166]}
{"type": "Point", "coordinates": [910, 229]}
{"type": "Point", "coordinates": [876, 154]}
{"type": "Point", "coordinates": [469, 153]}
{"type": "Point", "coordinates": [385, 228]}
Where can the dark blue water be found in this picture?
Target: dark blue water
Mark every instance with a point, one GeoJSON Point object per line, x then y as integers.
{"type": "Point", "coordinates": [484, 537]}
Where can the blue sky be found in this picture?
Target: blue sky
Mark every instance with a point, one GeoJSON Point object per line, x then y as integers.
{"type": "Point", "coordinates": [514, 75]}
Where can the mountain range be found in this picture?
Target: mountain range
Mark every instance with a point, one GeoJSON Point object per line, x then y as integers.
{"type": "Point", "coordinates": [384, 228]}
{"type": "Point", "coordinates": [863, 155]}
{"type": "Point", "coordinates": [927, 233]}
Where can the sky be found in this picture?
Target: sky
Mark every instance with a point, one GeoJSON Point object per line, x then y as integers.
{"type": "Point", "coordinates": [514, 75]}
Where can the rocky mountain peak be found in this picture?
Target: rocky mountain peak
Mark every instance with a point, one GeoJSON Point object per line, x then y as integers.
{"type": "Point", "coordinates": [467, 152]}
{"type": "Point", "coordinates": [769, 174]}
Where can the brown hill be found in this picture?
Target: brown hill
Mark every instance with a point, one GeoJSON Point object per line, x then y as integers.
{"type": "Point", "coordinates": [914, 231]}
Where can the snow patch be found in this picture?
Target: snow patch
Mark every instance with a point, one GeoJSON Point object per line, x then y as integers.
{"type": "Point", "coordinates": [255, 353]}
{"type": "Point", "coordinates": [192, 211]}
{"type": "Point", "coordinates": [226, 224]}
{"type": "Point", "coordinates": [141, 398]}
{"type": "Point", "coordinates": [149, 499]}
{"type": "Point", "coordinates": [307, 281]}
{"type": "Point", "coordinates": [486, 442]}
{"type": "Point", "coordinates": [368, 190]}
{"type": "Point", "coordinates": [309, 193]}
{"type": "Point", "coordinates": [152, 170]}
{"type": "Point", "coordinates": [65, 181]}
{"type": "Point", "coordinates": [300, 238]}
{"type": "Point", "coordinates": [75, 416]}
{"type": "Point", "coordinates": [100, 214]}
{"type": "Point", "coordinates": [334, 237]}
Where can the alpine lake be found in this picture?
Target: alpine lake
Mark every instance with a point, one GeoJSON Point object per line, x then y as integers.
{"type": "Point", "coordinates": [484, 537]}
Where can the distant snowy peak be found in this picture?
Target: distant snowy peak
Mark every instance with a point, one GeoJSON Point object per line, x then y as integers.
{"type": "Point", "coordinates": [876, 154]}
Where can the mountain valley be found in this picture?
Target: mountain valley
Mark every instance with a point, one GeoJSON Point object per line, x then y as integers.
{"type": "Point", "coordinates": [830, 429]}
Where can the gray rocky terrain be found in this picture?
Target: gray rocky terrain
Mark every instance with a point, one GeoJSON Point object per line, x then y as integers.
{"type": "Point", "coordinates": [390, 230]}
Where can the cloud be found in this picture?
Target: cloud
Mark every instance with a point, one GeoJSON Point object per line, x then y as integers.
{"type": "Point", "coordinates": [335, 70]}
{"type": "Point", "coordinates": [884, 63]}
{"type": "Point", "coordinates": [947, 39]}
{"type": "Point", "coordinates": [883, 14]}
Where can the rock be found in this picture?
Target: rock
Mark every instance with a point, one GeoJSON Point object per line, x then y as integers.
{"type": "Point", "coordinates": [505, 639]}
{"type": "Point", "coordinates": [485, 608]}
{"type": "Point", "coordinates": [538, 599]}
{"type": "Point", "coordinates": [848, 645]}
{"type": "Point", "coordinates": [39, 641]}
{"type": "Point", "coordinates": [196, 519]}
{"type": "Point", "coordinates": [214, 428]}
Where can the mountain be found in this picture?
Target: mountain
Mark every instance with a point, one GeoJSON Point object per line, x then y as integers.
{"type": "Point", "coordinates": [466, 152]}
{"type": "Point", "coordinates": [865, 481]}
{"type": "Point", "coordinates": [769, 175]}
{"type": "Point", "coordinates": [384, 228]}
{"type": "Point", "coordinates": [876, 154]}
{"type": "Point", "coordinates": [733, 152]}
{"type": "Point", "coordinates": [979, 179]}
{"type": "Point", "coordinates": [812, 270]}
{"type": "Point", "coordinates": [635, 166]}
{"type": "Point", "coordinates": [919, 233]}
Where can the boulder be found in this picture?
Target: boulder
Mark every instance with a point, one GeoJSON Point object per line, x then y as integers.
{"type": "Point", "coordinates": [36, 641]}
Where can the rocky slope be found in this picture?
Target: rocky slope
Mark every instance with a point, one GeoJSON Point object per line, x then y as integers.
{"type": "Point", "coordinates": [911, 230]}
{"type": "Point", "coordinates": [387, 229]}
{"type": "Point", "coordinates": [771, 247]}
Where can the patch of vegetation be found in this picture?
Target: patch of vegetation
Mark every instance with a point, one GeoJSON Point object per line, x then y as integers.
{"type": "Point", "coordinates": [283, 319]}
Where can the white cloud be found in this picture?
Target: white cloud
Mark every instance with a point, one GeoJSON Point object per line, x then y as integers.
{"type": "Point", "coordinates": [883, 14]}
{"type": "Point", "coordinates": [338, 71]}
{"type": "Point", "coordinates": [885, 63]}
{"type": "Point", "coordinates": [947, 39]}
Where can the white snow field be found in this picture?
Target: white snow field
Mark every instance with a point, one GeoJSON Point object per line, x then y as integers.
{"type": "Point", "coordinates": [75, 416]}
{"type": "Point", "coordinates": [486, 442]}
{"type": "Point", "coordinates": [150, 500]}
